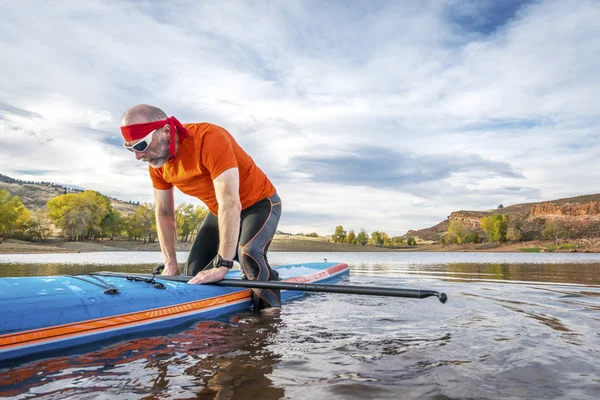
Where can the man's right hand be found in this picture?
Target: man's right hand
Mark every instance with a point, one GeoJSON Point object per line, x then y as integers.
{"type": "Point", "coordinates": [171, 270]}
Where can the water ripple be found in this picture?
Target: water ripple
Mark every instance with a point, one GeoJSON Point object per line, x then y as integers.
{"type": "Point", "coordinates": [510, 330]}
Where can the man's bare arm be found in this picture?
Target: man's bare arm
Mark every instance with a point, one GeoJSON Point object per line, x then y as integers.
{"type": "Point", "coordinates": [166, 229]}
{"type": "Point", "coordinates": [227, 191]}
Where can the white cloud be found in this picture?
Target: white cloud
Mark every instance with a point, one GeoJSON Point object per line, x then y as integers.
{"type": "Point", "coordinates": [286, 78]}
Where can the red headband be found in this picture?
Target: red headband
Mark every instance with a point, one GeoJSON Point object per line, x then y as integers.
{"type": "Point", "coordinates": [139, 131]}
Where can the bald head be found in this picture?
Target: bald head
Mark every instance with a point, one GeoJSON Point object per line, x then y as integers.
{"type": "Point", "coordinates": [141, 114]}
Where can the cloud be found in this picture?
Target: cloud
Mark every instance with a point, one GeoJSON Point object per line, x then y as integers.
{"type": "Point", "coordinates": [386, 115]}
{"type": "Point", "coordinates": [382, 167]}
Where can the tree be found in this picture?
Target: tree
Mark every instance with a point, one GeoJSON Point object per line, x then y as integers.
{"type": "Point", "coordinates": [201, 214]}
{"type": "Point", "coordinates": [554, 230]}
{"type": "Point", "coordinates": [411, 241]}
{"type": "Point", "coordinates": [472, 237]}
{"type": "Point", "coordinates": [113, 224]}
{"type": "Point", "coordinates": [362, 238]}
{"type": "Point", "coordinates": [339, 236]}
{"type": "Point", "coordinates": [133, 227]}
{"type": "Point", "coordinates": [144, 213]}
{"type": "Point", "coordinates": [14, 216]}
{"type": "Point", "coordinates": [186, 220]}
{"type": "Point", "coordinates": [500, 206]}
{"type": "Point", "coordinates": [514, 234]}
{"type": "Point", "coordinates": [397, 241]}
{"type": "Point", "coordinates": [457, 231]}
{"type": "Point", "coordinates": [39, 226]}
{"type": "Point", "coordinates": [385, 239]}
{"type": "Point", "coordinates": [99, 208]}
{"type": "Point", "coordinates": [376, 239]}
{"type": "Point", "coordinates": [351, 238]}
{"type": "Point", "coordinates": [79, 216]}
{"type": "Point", "coordinates": [495, 227]}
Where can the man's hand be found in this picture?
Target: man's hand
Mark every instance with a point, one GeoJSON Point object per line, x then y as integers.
{"type": "Point", "coordinates": [171, 270]}
{"type": "Point", "coordinates": [209, 275]}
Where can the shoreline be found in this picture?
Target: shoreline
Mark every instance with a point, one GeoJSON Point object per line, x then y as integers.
{"type": "Point", "coordinates": [279, 244]}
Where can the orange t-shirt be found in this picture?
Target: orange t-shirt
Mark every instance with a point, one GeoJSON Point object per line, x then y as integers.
{"type": "Point", "coordinates": [205, 154]}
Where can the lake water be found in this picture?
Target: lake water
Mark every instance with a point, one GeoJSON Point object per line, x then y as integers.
{"type": "Point", "coordinates": [517, 325]}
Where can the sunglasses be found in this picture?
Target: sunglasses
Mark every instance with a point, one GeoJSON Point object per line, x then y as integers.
{"type": "Point", "coordinates": [142, 145]}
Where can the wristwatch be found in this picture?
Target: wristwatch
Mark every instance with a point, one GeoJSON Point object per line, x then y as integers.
{"type": "Point", "coordinates": [220, 262]}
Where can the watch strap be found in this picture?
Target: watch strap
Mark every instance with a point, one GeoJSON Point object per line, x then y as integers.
{"type": "Point", "coordinates": [220, 262]}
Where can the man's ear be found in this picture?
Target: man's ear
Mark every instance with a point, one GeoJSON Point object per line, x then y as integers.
{"type": "Point", "coordinates": [166, 132]}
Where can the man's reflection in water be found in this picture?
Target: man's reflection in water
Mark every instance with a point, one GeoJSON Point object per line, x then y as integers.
{"type": "Point", "coordinates": [212, 359]}
{"type": "Point", "coordinates": [240, 367]}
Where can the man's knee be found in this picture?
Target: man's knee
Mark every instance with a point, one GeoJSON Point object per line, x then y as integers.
{"type": "Point", "coordinates": [255, 265]}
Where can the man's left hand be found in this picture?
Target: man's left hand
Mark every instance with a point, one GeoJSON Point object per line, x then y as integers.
{"type": "Point", "coordinates": [209, 275]}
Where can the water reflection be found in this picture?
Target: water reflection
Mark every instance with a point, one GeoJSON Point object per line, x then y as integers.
{"type": "Point", "coordinates": [586, 274]}
{"type": "Point", "coordinates": [15, 269]}
{"type": "Point", "coordinates": [515, 329]}
{"type": "Point", "coordinates": [580, 273]}
{"type": "Point", "coordinates": [216, 359]}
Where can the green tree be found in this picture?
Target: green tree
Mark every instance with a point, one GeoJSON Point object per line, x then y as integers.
{"type": "Point", "coordinates": [99, 208]}
{"type": "Point", "coordinates": [397, 241]}
{"type": "Point", "coordinates": [376, 239]}
{"type": "Point", "coordinates": [554, 230]}
{"type": "Point", "coordinates": [362, 238]}
{"type": "Point", "coordinates": [144, 213]}
{"type": "Point", "coordinates": [79, 216]}
{"type": "Point", "coordinates": [113, 224]}
{"type": "Point", "coordinates": [351, 238]}
{"type": "Point", "coordinates": [339, 236]}
{"type": "Point", "coordinates": [186, 220]}
{"type": "Point", "coordinates": [385, 239]}
{"type": "Point", "coordinates": [473, 237]}
{"type": "Point", "coordinates": [411, 241]}
{"type": "Point", "coordinates": [14, 216]}
{"type": "Point", "coordinates": [133, 227]}
{"type": "Point", "coordinates": [201, 214]}
{"type": "Point", "coordinates": [457, 231]}
{"type": "Point", "coordinates": [495, 227]}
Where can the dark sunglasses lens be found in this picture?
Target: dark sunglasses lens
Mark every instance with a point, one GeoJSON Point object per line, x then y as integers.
{"type": "Point", "coordinates": [141, 146]}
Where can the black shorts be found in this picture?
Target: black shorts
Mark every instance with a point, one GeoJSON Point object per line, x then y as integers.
{"type": "Point", "coordinates": [258, 225]}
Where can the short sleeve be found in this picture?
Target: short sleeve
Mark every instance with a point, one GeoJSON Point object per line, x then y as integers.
{"type": "Point", "coordinates": [217, 153]}
{"type": "Point", "coordinates": [158, 182]}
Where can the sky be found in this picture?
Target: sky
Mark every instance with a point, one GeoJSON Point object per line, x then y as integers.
{"type": "Point", "coordinates": [384, 115]}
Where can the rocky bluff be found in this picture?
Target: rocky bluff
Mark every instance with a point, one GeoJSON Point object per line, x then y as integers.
{"type": "Point", "coordinates": [581, 215]}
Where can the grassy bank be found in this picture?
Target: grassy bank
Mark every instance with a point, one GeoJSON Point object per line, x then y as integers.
{"type": "Point", "coordinates": [281, 243]}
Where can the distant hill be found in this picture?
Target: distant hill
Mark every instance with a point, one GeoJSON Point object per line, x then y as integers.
{"type": "Point", "coordinates": [580, 214]}
{"type": "Point", "coordinates": [35, 195]}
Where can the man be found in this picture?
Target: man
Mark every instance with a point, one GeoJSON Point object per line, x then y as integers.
{"type": "Point", "coordinates": [203, 160]}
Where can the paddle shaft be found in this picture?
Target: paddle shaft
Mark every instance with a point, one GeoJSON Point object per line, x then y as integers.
{"type": "Point", "coordinates": [307, 287]}
{"type": "Point", "coordinates": [346, 289]}
{"type": "Point", "coordinates": [319, 287]}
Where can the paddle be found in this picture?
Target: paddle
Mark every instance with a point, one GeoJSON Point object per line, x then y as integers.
{"type": "Point", "coordinates": [317, 287]}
